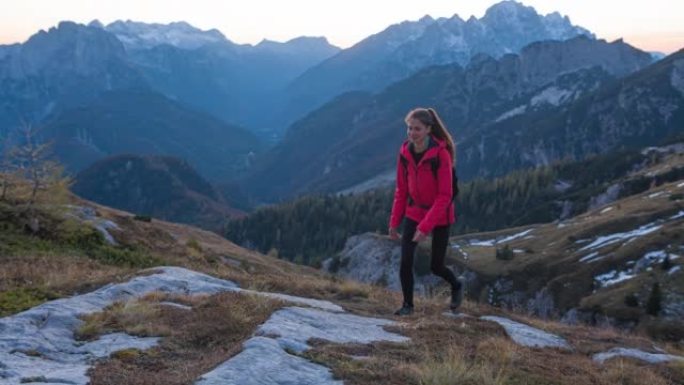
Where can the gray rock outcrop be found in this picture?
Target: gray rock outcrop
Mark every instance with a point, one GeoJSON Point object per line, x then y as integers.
{"type": "Point", "coordinates": [653, 358]}
{"type": "Point", "coordinates": [38, 345]}
{"type": "Point", "coordinates": [528, 336]}
{"type": "Point", "coordinates": [266, 361]}
{"type": "Point", "coordinates": [375, 259]}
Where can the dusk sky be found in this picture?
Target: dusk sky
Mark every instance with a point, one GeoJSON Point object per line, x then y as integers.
{"type": "Point", "coordinates": [655, 25]}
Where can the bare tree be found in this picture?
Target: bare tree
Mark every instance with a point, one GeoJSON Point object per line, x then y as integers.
{"type": "Point", "coordinates": [8, 177]}
{"type": "Point", "coordinates": [30, 160]}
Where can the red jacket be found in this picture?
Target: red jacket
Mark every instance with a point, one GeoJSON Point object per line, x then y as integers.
{"type": "Point", "coordinates": [418, 195]}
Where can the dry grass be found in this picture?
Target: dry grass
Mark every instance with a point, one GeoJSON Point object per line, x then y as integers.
{"type": "Point", "coordinates": [471, 351]}
{"type": "Point", "coordinates": [453, 366]}
{"type": "Point", "coordinates": [137, 317]}
{"type": "Point", "coordinates": [194, 341]}
{"type": "Point", "coordinates": [58, 272]}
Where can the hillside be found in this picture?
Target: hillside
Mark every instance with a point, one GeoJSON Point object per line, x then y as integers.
{"type": "Point", "coordinates": [162, 187]}
{"type": "Point", "coordinates": [142, 122]}
{"type": "Point", "coordinates": [585, 267]}
{"type": "Point", "coordinates": [639, 110]}
{"type": "Point", "coordinates": [170, 325]}
{"type": "Point", "coordinates": [597, 266]}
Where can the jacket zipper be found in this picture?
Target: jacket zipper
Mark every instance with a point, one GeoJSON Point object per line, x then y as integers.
{"type": "Point", "coordinates": [416, 179]}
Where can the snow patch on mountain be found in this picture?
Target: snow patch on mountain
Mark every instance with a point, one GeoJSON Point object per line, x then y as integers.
{"type": "Point", "coordinates": [137, 35]}
{"type": "Point", "coordinates": [552, 95]}
{"type": "Point", "coordinates": [514, 112]}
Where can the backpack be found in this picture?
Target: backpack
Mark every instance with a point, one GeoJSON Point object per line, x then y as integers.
{"type": "Point", "coordinates": [434, 165]}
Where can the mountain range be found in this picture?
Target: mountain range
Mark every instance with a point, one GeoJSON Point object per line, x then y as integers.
{"type": "Point", "coordinates": [263, 87]}
{"type": "Point", "coordinates": [354, 138]}
{"type": "Point", "coordinates": [402, 49]}
{"type": "Point", "coordinates": [70, 65]}
{"type": "Point", "coordinates": [236, 83]}
{"type": "Point", "coordinates": [196, 95]}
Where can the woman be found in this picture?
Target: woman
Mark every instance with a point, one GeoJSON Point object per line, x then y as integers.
{"type": "Point", "coordinates": [423, 196]}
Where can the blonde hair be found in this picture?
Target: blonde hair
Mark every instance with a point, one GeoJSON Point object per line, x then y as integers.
{"type": "Point", "coordinates": [429, 117]}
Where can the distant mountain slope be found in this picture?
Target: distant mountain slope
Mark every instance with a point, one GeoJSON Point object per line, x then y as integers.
{"type": "Point", "coordinates": [58, 69]}
{"type": "Point", "coordinates": [355, 137]}
{"type": "Point", "coordinates": [143, 122]}
{"type": "Point", "coordinates": [236, 83]}
{"type": "Point", "coordinates": [162, 187]}
{"type": "Point", "coordinates": [639, 110]}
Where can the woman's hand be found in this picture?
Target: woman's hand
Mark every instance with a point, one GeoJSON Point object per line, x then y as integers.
{"type": "Point", "coordinates": [418, 236]}
{"type": "Point", "coordinates": [394, 234]}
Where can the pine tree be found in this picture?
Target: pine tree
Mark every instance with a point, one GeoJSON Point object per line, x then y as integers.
{"type": "Point", "coordinates": [631, 300]}
{"type": "Point", "coordinates": [653, 305]}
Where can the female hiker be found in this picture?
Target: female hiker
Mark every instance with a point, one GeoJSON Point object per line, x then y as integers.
{"type": "Point", "coordinates": [423, 199]}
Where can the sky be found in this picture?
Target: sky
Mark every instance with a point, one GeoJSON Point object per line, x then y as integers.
{"type": "Point", "coordinates": [654, 25]}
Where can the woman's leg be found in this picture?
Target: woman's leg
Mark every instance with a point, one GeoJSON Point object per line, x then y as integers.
{"type": "Point", "coordinates": [440, 241]}
{"type": "Point", "coordinates": [408, 249]}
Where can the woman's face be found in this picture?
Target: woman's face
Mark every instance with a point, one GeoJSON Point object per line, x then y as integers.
{"type": "Point", "coordinates": [416, 131]}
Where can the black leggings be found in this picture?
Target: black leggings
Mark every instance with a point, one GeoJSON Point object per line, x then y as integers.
{"type": "Point", "coordinates": [440, 241]}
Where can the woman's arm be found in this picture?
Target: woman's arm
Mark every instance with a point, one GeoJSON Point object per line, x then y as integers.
{"type": "Point", "coordinates": [400, 196]}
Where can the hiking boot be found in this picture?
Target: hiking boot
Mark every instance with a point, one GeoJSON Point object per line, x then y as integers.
{"type": "Point", "coordinates": [456, 297]}
{"type": "Point", "coordinates": [405, 310]}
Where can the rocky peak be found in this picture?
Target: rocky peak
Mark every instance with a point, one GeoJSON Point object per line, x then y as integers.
{"type": "Point", "coordinates": [69, 47]}
{"type": "Point", "coordinates": [137, 35]}
{"type": "Point", "coordinates": [508, 10]}
{"type": "Point", "coordinates": [618, 58]}
{"type": "Point", "coordinates": [96, 24]}
{"type": "Point", "coordinates": [302, 44]}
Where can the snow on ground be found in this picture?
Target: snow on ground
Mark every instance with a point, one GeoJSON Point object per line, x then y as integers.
{"type": "Point", "coordinates": [655, 194]}
{"type": "Point", "coordinates": [592, 257]}
{"type": "Point", "coordinates": [606, 240]}
{"type": "Point", "coordinates": [658, 256]}
{"type": "Point", "coordinates": [678, 215]}
{"type": "Point", "coordinates": [492, 242]}
{"type": "Point", "coordinates": [613, 277]}
{"type": "Point", "coordinates": [644, 263]}
{"type": "Point", "coordinates": [606, 210]}
{"type": "Point", "coordinates": [458, 247]}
